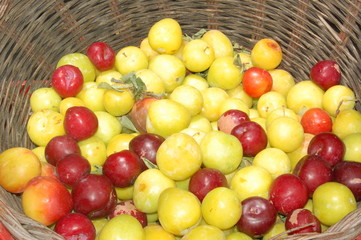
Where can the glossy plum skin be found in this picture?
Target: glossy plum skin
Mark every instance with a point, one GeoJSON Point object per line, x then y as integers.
{"type": "Point", "coordinates": [349, 174]}
{"type": "Point", "coordinates": [252, 137]}
{"type": "Point", "coordinates": [204, 180]}
{"type": "Point", "coordinates": [94, 196]}
{"type": "Point", "coordinates": [258, 216]}
{"type": "Point", "coordinates": [101, 55]}
{"type": "Point", "coordinates": [59, 147]}
{"type": "Point", "coordinates": [72, 168]}
{"type": "Point", "coordinates": [80, 122]}
{"type": "Point", "coordinates": [329, 146]}
{"type": "Point", "coordinates": [300, 217]}
{"type": "Point", "coordinates": [122, 168]}
{"type": "Point", "coordinates": [316, 120]}
{"type": "Point", "coordinates": [325, 74]}
{"type": "Point", "coordinates": [146, 145]}
{"type": "Point", "coordinates": [287, 193]}
{"type": "Point", "coordinates": [75, 226]}
{"type": "Point", "coordinates": [67, 81]}
{"type": "Point", "coordinates": [231, 118]}
{"type": "Point", "coordinates": [314, 171]}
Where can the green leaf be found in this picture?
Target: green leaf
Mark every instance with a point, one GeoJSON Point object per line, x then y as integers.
{"type": "Point", "coordinates": [127, 124]}
{"type": "Point", "coordinates": [246, 162]}
{"type": "Point", "coordinates": [239, 48]}
{"type": "Point", "coordinates": [238, 62]}
{"type": "Point", "coordinates": [105, 85]}
{"type": "Point", "coordinates": [149, 164]}
{"type": "Point", "coordinates": [197, 35]}
{"type": "Point", "coordinates": [203, 74]}
{"type": "Point", "coordinates": [136, 84]}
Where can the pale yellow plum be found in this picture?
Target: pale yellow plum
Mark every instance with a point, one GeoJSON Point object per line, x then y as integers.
{"type": "Point", "coordinates": [253, 113]}
{"type": "Point", "coordinates": [108, 76]}
{"type": "Point", "coordinates": [269, 102]}
{"type": "Point", "coordinates": [220, 43]}
{"type": "Point", "coordinates": [233, 103]}
{"type": "Point", "coordinates": [166, 117]}
{"type": "Point", "coordinates": [99, 223]}
{"type": "Point", "coordinates": [108, 126]}
{"type": "Point", "coordinates": [189, 97]}
{"type": "Point", "coordinates": [251, 181]}
{"type": "Point", "coordinates": [221, 151]}
{"type": "Point", "coordinates": [179, 52]}
{"type": "Point", "coordinates": [152, 81]}
{"type": "Point", "coordinates": [239, 93]}
{"type": "Point", "coordinates": [119, 142]}
{"type": "Point", "coordinates": [147, 49]}
{"type": "Point", "coordinates": [179, 156]}
{"type": "Point", "coordinates": [118, 103]}
{"type": "Point", "coordinates": [147, 188]}
{"type": "Point", "coordinates": [332, 201]}
{"type": "Point", "coordinates": [196, 81]}
{"type": "Point", "coordinates": [309, 205]}
{"type": "Point", "coordinates": [44, 125]}
{"type": "Point", "coordinates": [281, 112]}
{"type": "Point", "coordinates": [179, 211]}
{"type": "Point", "coordinates": [338, 98]}
{"type": "Point", "coordinates": [92, 96]}
{"type": "Point", "coordinates": [152, 217]}
{"type": "Point", "coordinates": [283, 81]}
{"type": "Point", "coordinates": [123, 226]}
{"type": "Point", "coordinates": [296, 155]}
{"type": "Point", "coordinates": [223, 73]}
{"type": "Point", "coordinates": [197, 55]}
{"type": "Point", "coordinates": [45, 98]}
{"type": "Point", "coordinates": [238, 236]}
{"type": "Point", "coordinates": [304, 95]}
{"type": "Point", "coordinates": [195, 133]}
{"type": "Point", "coordinates": [348, 121]}
{"type": "Point", "coordinates": [125, 193]}
{"type": "Point", "coordinates": [183, 184]}
{"type": "Point", "coordinates": [285, 133]}
{"type": "Point", "coordinates": [156, 232]}
{"type": "Point", "coordinates": [201, 123]}
{"type": "Point", "coordinates": [353, 147]}
{"type": "Point", "coordinates": [274, 160]}
{"type": "Point", "coordinates": [278, 228]}
{"type": "Point", "coordinates": [213, 98]}
{"type": "Point", "coordinates": [165, 36]}
{"type": "Point", "coordinates": [170, 69]}
{"type": "Point", "coordinates": [130, 59]}
{"type": "Point", "coordinates": [208, 232]}
{"type": "Point", "coordinates": [221, 208]}
{"type": "Point", "coordinates": [94, 150]}
{"type": "Point", "coordinates": [40, 153]}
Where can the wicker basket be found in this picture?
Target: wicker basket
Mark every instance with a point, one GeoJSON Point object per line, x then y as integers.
{"type": "Point", "coordinates": [35, 34]}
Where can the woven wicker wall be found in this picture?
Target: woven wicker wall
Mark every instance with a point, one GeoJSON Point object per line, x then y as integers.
{"type": "Point", "coordinates": [35, 34]}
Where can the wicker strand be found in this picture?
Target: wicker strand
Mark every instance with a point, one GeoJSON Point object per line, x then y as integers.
{"type": "Point", "coordinates": [35, 34]}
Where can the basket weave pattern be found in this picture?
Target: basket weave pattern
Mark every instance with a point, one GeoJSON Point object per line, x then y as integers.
{"type": "Point", "coordinates": [35, 34]}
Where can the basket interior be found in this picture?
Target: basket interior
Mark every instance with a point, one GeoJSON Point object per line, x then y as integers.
{"type": "Point", "coordinates": [35, 34]}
